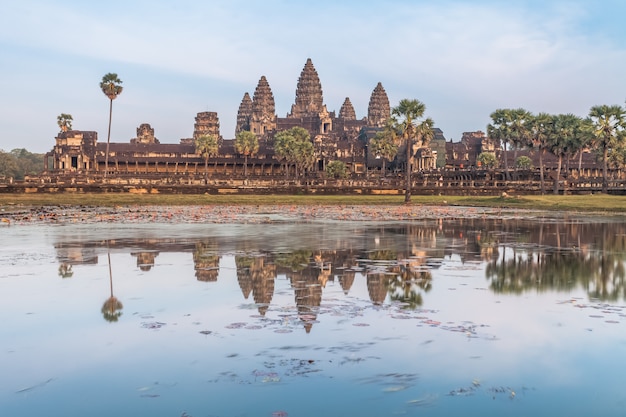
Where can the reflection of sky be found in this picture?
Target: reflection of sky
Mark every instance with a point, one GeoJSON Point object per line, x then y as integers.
{"type": "Point", "coordinates": [58, 353]}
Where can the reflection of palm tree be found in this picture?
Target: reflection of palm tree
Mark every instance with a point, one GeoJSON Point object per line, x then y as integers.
{"type": "Point", "coordinates": [409, 285]}
{"type": "Point", "coordinates": [65, 270]}
{"type": "Point", "coordinates": [112, 307]}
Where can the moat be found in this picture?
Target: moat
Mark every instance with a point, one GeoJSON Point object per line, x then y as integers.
{"type": "Point", "coordinates": [275, 317]}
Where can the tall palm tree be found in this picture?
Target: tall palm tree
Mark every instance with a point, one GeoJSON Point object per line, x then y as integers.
{"type": "Point", "coordinates": [409, 123]}
{"type": "Point", "coordinates": [567, 127]}
{"type": "Point", "coordinates": [384, 145]}
{"type": "Point", "coordinates": [246, 143]}
{"type": "Point", "coordinates": [541, 130]}
{"type": "Point", "coordinates": [64, 121]}
{"type": "Point", "coordinates": [520, 132]}
{"type": "Point", "coordinates": [111, 87]}
{"type": "Point", "coordinates": [207, 146]}
{"type": "Point", "coordinates": [609, 123]}
{"type": "Point", "coordinates": [499, 131]}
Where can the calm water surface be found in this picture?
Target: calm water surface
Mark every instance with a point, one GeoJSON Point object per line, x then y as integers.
{"type": "Point", "coordinates": [439, 318]}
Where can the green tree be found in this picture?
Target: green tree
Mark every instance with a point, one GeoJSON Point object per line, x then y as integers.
{"type": "Point", "coordinates": [409, 122]}
{"type": "Point", "coordinates": [524, 162]}
{"type": "Point", "coordinates": [246, 143]}
{"type": "Point", "coordinates": [567, 129]}
{"type": "Point", "coordinates": [336, 169]}
{"type": "Point", "coordinates": [207, 146]}
{"type": "Point", "coordinates": [111, 87]}
{"type": "Point", "coordinates": [487, 159]}
{"type": "Point", "coordinates": [294, 147]}
{"type": "Point", "coordinates": [510, 126]}
{"type": "Point", "coordinates": [608, 132]}
{"type": "Point", "coordinates": [64, 121]}
{"type": "Point", "coordinates": [8, 165]}
{"type": "Point", "coordinates": [384, 146]}
{"type": "Point", "coordinates": [541, 131]}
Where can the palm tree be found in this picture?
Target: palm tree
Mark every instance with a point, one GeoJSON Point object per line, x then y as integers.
{"type": "Point", "coordinates": [408, 122]}
{"type": "Point", "coordinates": [246, 143]}
{"type": "Point", "coordinates": [207, 146]}
{"type": "Point", "coordinates": [110, 86]}
{"type": "Point", "coordinates": [520, 132]}
{"type": "Point", "coordinates": [499, 131]}
{"type": "Point", "coordinates": [541, 130]}
{"type": "Point", "coordinates": [294, 146]}
{"type": "Point", "coordinates": [384, 145]}
{"type": "Point", "coordinates": [567, 128]}
{"type": "Point", "coordinates": [64, 121]}
{"type": "Point", "coordinates": [608, 123]}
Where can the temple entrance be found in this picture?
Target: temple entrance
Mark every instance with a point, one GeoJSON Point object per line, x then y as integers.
{"type": "Point", "coordinates": [74, 162]}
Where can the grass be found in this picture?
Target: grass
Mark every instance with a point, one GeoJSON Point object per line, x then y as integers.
{"type": "Point", "coordinates": [580, 203]}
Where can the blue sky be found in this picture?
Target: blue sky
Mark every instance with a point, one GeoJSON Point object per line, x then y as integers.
{"type": "Point", "coordinates": [463, 59]}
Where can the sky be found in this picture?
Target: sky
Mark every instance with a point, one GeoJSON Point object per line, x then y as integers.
{"type": "Point", "coordinates": [462, 59]}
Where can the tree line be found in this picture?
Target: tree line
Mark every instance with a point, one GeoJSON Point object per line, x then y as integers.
{"type": "Point", "coordinates": [566, 136]}
{"type": "Point", "coordinates": [19, 163]}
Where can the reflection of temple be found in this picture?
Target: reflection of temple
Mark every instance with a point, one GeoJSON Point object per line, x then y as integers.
{"type": "Point", "coordinates": [145, 260]}
{"type": "Point", "coordinates": [256, 275]}
{"type": "Point", "coordinates": [396, 261]}
{"type": "Point", "coordinates": [206, 261]}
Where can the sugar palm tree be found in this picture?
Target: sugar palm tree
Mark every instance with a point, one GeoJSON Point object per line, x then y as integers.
{"type": "Point", "coordinates": [246, 143]}
{"type": "Point", "coordinates": [111, 87]}
{"type": "Point", "coordinates": [499, 131]}
{"type": "Point", "coordinates": [64, 121]}
{"type": "Point", "coordinates": [541, 130]}
{"type": "Point", "coordinates": [384, 145]}
{"type": "Point", "coordinates": [609, 123]}
{"type": "Point", "coordinates": [207, 146]}
{"type": "Point", "coordinates": [567, 129]}
{"type": "Point", "coordinates": [408, 121]}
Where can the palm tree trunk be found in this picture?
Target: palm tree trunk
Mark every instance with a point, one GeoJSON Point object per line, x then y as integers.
{"type": "Point", "coordinates": [206, 169]}
{"type": "Point", "coordinates": [541, 172]}
{"type": "Point", "coordinates": [407, 194]}
{"type": "Point", "coordinates": [106, 155]}
{"type": "Point", "coordinates": [506, 162]}
{"type": "Point", "coordinates": [558, 175]}
{"type": "Point", "coordinates": [245, 166]}
{"type": "Point", "coordinates": [605, 158]}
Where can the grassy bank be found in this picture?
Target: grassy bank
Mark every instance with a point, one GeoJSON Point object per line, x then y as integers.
{"type": "Point", "coordinates": [580, 203]}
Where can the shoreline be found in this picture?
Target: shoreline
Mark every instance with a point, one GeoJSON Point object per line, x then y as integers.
{"type": "Point", "coordinates": [271, 213]}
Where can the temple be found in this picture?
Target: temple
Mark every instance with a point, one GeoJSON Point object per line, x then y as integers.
{"type": "Point", "coordinates": [336, 137]}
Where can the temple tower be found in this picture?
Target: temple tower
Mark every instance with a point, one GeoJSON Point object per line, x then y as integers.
{"type": "Point", "coordinates": [309, 99]}
{"type": "Point", "coordinates": [347, 110]}
{"type": "Point", "coordinates": [207, 123]}
{"type": "Point", "coordinates": [244, 115]}
{"type": "Point", "coordinates": [263, 118]}
{"type": "Point", "coordinates": [145, 134]}
{"type": "Point", "coordinates": [378, 110]}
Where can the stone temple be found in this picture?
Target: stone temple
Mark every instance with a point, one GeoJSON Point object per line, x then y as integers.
{"type": "Point", "coordinates": [336, 137]}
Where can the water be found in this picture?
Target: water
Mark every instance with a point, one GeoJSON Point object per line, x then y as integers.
{"type": "Point", "coordinates": [464, 317]}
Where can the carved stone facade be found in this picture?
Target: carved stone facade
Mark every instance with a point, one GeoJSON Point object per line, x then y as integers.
{"type": "Point", "coordinates": [207, 123]}
{"type": "Point", "coordinates": [145, 134]}
{"type": "Point", "coordinates": [335, 137]}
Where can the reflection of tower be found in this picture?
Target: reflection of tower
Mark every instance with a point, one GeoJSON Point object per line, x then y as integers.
{"type": "Point", "coordinates": [263, 276]}
{"type": "Point", "coordinates": [308, 294]}
{"type": "Point", "coordinates": [346, 280]}
{"type": "Point", "coordinates": [256, 277]}
{"type": "Point", "coordinates": [377, 285]}
{"type": "Point", "coordinates": [206, 262]}
{"type": "Point", "coordinates": [145, 260]}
